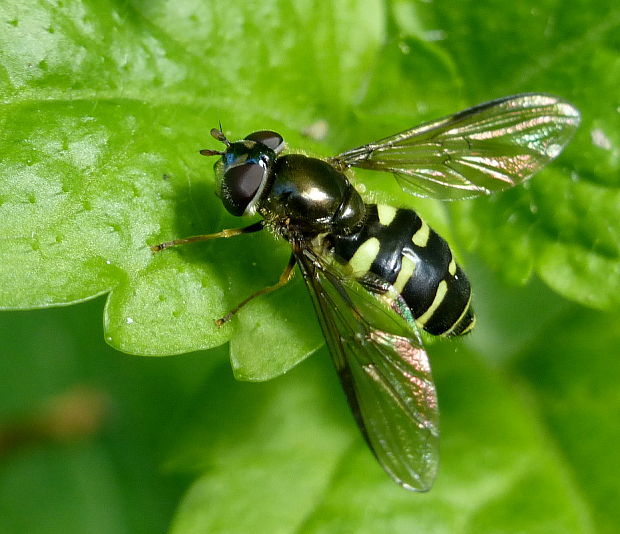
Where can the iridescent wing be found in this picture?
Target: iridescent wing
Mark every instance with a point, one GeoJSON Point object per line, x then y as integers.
{"type": "Point", "coordinates": [484, 149]}
{"type": "Point", "coordinates": [382, 366]}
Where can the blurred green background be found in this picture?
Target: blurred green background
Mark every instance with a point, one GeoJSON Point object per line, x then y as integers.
{"type": "Point", "coordinates": [104, 106]}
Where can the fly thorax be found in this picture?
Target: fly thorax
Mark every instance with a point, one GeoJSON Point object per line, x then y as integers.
{"type": "Point", "coordinates": [312, 195]}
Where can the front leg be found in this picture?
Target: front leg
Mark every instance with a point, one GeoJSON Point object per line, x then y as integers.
{"type": "Point", "coordinates": [229, 232]}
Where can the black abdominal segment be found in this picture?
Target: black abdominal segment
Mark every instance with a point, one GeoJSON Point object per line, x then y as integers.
{"type": "Point", "coordinates": [399, 247]}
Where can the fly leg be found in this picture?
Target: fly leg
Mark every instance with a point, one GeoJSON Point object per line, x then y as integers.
{"type": "Point", "coordinates": [230, 232]}
{"type": "Point", "coordinates": [285, 277]}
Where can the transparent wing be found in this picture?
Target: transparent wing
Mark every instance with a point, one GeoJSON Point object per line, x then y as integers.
{"type": "Point", "coordinates": [487, 148]}
{"type": "Point", "coordinates": [383, 368]}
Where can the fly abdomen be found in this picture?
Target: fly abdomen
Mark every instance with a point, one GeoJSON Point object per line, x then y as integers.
{"type": "Point", "coordinates": [399, 247]}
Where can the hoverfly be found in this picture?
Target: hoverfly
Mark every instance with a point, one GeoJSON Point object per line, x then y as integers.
{"type": "Point", "coordinates": [377, 273]}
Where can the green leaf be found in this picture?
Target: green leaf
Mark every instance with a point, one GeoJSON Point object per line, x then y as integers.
{"type": "Point", "coordinates": [290, 459]}
{"type": "Point", "coordinates": [103, 108]}
{"type": "Point", "coordinates": [103, 476]}
{"type": "Point", "coordinates": [571, 372]}
{"type": "Point", "coordinates": [104, 111]}
{"type": "Point", "coordinates": [101, 141]}
{"type": "Point", "coordinates": [563, 225]}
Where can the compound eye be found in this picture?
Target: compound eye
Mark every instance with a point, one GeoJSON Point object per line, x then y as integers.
{"type": "Point", "coordinates": [272, 140]}
{"type": "Point", "coordinates": [240, 185]}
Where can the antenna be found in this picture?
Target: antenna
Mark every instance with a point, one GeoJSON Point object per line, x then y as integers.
{"type": "Point", "coordinates": [219, 135]}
